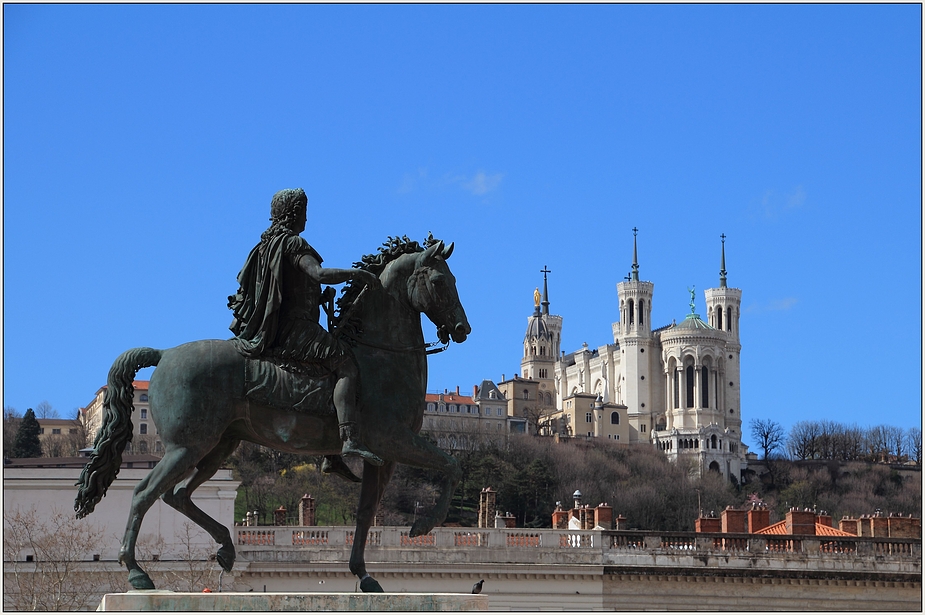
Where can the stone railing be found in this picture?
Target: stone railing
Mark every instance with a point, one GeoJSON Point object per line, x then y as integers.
{"type": "Point", "coordinates": [607, 548]}
{"type": "Point", "coordinates": [335, 536]}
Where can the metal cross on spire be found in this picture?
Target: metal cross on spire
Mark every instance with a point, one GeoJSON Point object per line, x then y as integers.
{"type": "Point", "coordinates": [545, 270]}
{"type": "Point", "coordinates": [722, 263]}
{"type": "Point", "coordinates": [635, 272]}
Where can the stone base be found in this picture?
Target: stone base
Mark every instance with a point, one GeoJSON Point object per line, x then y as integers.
{"type": "Point", "coordinates": [159, 600]}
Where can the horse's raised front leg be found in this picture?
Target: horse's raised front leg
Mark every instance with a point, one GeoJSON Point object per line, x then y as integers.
{"type": "Point", "coordinates": [414, 450]}
{"type": "Point", "coordinates": [374, 481]}
{"type": "Point", "coordinates": [180, 499]}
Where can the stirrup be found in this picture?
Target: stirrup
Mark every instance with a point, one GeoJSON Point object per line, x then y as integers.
{"type": "Point", "coordinates": [355, 449]}
{"type": "Point", "coordinates": [334, 464]}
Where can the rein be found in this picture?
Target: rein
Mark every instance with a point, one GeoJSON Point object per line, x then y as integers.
{"type": "Point", "coordinates": [428, 348]}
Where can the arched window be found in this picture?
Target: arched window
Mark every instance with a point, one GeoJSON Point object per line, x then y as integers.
{"type": "Point", "coordinates": [729, 319]}
{"type": "Point", "coordinates": [704, 387]}
{"type": "Point", "coordinates": [642, 311]}
{"type": "Point", "coordinates": [714, 467]}
{"type": "Point", "coordinates": [614, 418]}
{"type": "Point", "coordinates": [677, 388]}
{"type": "Point", "coordinates": [631, 314]}
{"type": "Point", "coordinates": [713, 441]}
{"type": "Point", "coordinates": [143, 397]}
{"type": "Point", "coordinates": [719, 318]}
{"type": "Point", "coordinates": [689, 372]}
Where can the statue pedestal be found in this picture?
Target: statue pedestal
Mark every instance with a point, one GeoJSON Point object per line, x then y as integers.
{"type": "Point", "coordinates": [157, 600]}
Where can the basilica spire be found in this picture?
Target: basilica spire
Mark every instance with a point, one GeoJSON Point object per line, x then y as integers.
{"type": "Point", "coordinates": [635, 273]}
{"type": "Point", "coordinates": [545, 303]}
{"type": "Point", "coordinates": [722, 263]}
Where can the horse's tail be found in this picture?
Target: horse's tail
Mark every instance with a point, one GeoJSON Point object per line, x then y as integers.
{"type": "Point", "coordinates": [116, 430]}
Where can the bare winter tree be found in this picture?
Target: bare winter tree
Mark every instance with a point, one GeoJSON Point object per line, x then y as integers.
{"type": "Point", "coordinates": [45, 411]}
{"type": "Point", "coordinates": [49, 564]}
{"type": "Point", "coordinates": [11, 419]}
{"type": "Point", "coordinates": [768, 435]}
{"type": "Point", "coordinates": [896, 442]}
{"type": "Point", "coordinates": [803, 441]}
{"type": "Point", "coordinates": [914, 444]}
{"type": "Point", "coordinates": [877, 443]}
{"type": "Point", "coordinates": [198, 570]}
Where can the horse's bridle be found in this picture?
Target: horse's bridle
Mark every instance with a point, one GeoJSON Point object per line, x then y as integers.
{"type": "Point", "coordinates": [428, 347]}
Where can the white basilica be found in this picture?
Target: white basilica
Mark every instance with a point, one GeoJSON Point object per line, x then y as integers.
{"type": "Point", "coordinates": [676, 387]}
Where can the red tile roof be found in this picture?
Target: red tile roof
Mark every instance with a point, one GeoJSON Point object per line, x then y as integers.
{"type": "Point", "coordinates": [780, 529]}
{"type": "Point", "coordinates": [450, 398]}
{"type": "Point", "coordinates": [138, 385]}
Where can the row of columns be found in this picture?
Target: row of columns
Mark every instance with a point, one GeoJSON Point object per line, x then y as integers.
{"type": "Point", "coordinates": [676, 385]}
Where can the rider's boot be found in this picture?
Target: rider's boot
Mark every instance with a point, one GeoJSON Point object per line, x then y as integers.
{"type": "Point", "coordinates": [353, 447]}
{"type": "Point", "coordinates": [334, 464]}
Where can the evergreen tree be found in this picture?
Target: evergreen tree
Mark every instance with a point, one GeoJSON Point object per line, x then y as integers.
{"type": "Point", "coordinates": [27, 442]}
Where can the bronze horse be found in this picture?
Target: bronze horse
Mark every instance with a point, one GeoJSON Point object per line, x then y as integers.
{"type": "Point", "coordinates": [197, 400]}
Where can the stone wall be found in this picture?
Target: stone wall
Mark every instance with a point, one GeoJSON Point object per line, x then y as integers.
{"type": "Point", "coordinates": [598, 570]}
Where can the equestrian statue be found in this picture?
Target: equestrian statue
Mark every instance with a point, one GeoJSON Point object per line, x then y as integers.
{"type": "Point", "coordinates": [285, 382]}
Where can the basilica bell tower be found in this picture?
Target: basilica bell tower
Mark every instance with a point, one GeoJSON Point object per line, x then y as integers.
{"type": "Point", "coordinates": [638, 350]}
{"type": "Point", "coordinates": [542, 340]}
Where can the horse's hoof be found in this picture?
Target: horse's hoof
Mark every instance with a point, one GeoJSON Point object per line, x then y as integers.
{"type": "Point", "coordinates": [370, 585]}
{"type": "Point", "coordinates": [140, 580]}
{"type": "Point", "coordinates": [225, 558]}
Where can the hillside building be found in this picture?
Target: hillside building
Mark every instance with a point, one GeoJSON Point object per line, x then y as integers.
{"type": "Point", "coordinates": [675, 387]}
{"type": "Point", "coordinates": [144, 436]}
{"type": "Point", "coordinates": [454, 419]}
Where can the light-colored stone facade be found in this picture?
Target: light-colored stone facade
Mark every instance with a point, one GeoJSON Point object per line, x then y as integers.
{"type": "Point", "coordinates": [50, 491]}
{"type": "Point", "coordinates": [144, 436]}
{"type": "Point", "coordinates": [675, 387]}
{"type": "Point", "coordinates": [458, 421]}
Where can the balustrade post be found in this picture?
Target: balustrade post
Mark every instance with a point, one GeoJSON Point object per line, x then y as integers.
{"type": "Point", "coordinates": [497, 537]}
{"type": "Point", "coordinates": [757, 545]}
{"type": "Point", "coordinates": [704, 543]}
{"type": "Point", "coordinates": [810, 545]}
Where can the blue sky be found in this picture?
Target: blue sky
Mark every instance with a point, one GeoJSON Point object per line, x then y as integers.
{"type": "Point", "coordinates": [142, 144]}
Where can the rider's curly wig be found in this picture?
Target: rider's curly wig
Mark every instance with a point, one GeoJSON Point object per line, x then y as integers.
{"type": "Point", "coordinates": [284, 209]}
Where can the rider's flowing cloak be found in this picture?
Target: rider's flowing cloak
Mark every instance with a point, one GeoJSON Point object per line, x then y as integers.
{"type": "Point", "coordinates": [258, 301]}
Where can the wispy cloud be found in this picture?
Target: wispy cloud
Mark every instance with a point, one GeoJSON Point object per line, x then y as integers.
{"type": "Point", "coordinates": [781, 305]}
{"type": "Point", "coordinates": [772, 204]}
{"type": "Point", "coordinates": [776, 305]}
{"type": "Point", "coordinates": [482, 183]}
{"type": "Point", "coordinates": [411, 181]}
{"type": "Point", "coordinates": [797, 198]}
{"type": "Point", "coordinates": [478, 184]}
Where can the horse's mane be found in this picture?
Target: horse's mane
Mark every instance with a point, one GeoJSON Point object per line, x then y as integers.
{"type": "Point", "coordinates": [390, 250]}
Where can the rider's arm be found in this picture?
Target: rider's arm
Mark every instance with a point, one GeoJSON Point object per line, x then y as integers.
{"type": "Point", "coordinates": [329, 275]}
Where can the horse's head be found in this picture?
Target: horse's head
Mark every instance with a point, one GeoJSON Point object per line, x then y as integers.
{"type": "Point", "coordinates": [432, 291]}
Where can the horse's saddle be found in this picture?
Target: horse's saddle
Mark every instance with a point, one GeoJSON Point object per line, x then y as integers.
{"type": "Point", "coordinates": [301, 387]}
